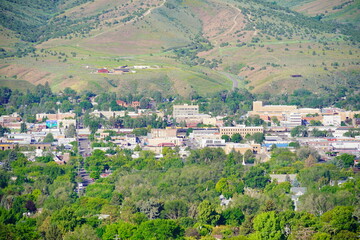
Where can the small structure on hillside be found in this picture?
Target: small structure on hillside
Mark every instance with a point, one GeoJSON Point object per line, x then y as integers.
{"type": "Point", "coordinates": [103, 70]}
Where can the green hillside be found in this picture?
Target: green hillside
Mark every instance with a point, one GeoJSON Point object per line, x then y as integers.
{"type": "Point", "coordinates": [342, 11]}
{"type": "Point", "coordinates": [190, 45]}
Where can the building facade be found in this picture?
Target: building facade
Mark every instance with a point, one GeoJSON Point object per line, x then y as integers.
{"type": "Point", "coordinates": [241, 129]}
{"type": "Point", "coordinates": [185, 110]}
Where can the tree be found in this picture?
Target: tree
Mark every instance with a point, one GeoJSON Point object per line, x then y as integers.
{"type": "Point", "coordinates": [30, 206]}
{"type": "Point", "coordinates": [316, 204]}
{"type": "Point", "coordinates": [229, 186]}
{"type": "Point", "coordinates": [5, 94]}
{"type": "Point", "coordinates": [137, 148]}
{"type": "Point", "coordinates": [275, 120]}
{"type": "Point", "coordinates": [23, 128]}
{"type": "Point", "coordinates": [256, 178]}
{"type": "Point", "coordinates": [340, 218]}
{"type": "Point", "coordinates": [226, 138]}
{"type": "Point", "coordinates": [65, 219]}
{"type": "Point", "coordinates": [267, 226]}
{"type": "Point", "coordinates": [70, 132]}
{"type": "Point", "coordinates": [161, 229]}
{"type": "Point", "coordinates": [233, 216]}
{"type": "Point", "coordinates": [236, 138]}
{"type": "Point", "coordinates": [207, 213]}
{"type": "Point", "coordinates": [304, 152]}
{"type": "Point", "coordinates": [310, 161]}
{"type": "Point", "coordinates": [3, 130]}
{"type": "Point", "coordinates": [299, 131]}
{"type": "Point", "coordinates": [49, 138]}
{"type": "Point", "coordinates": [258, 137]}
{"type": "Point", "coordinates": [249, 156]}
{"type": "Point", "coordinates": [346, 235]}
{"type": "Point", "coordinates": [347, 160]}
{"type": "Point", "coordinates": [85, 232]}
{"type": "Point", "coordinates": [120, 230]}
{"type": "Point", "coordinates": [85, 104]}
{"type": "Point", "coordinates": [144, 103]}
{"type": "Point", "coordinates": [294, 144]}
{"type": "Point", "coordinates": [175, 209]}
{"type": "Point", "coordinates": [53, 233]}
{"type": "Point", "coordinates": [321, 236]}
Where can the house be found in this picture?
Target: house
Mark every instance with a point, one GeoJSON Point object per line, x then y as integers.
{"type": "Point", "coordinates": [280, 178]}
{"type": "Point", "coordinates": [135, 104]}
{"type": "Point", "coordinates": [103, 70]}
{"type": "Point", "coordinates": [297, 192]}
{"type": "Point", "coordinates": [121, 103]}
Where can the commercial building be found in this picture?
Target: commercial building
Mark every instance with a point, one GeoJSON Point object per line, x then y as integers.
{"type": "Point", "coordinates": [331, 120]}
{"type": "Point", "coordinates": [292, 120]}
{"type": "Point", "coordinates": [54, 116]}
{"type": "Point", "coordinates": [241, 148]}
{"type": "Point", "coordinates": [185, 111]}
{"type": "Point", "coordinates": [279, 111]}
{"type": "Point", "coordinates": [268, 111]}
{"type": "Point", "coordinates": [241, 129]}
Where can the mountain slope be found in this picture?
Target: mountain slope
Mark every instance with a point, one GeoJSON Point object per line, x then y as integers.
{"type": "Point", "coordinates": [343, 11]}
{"type": "Point", "coordinates": [192, 45]}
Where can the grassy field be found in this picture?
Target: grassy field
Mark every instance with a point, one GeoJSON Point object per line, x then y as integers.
{"type": "Point", "coordinates": [20, 85]}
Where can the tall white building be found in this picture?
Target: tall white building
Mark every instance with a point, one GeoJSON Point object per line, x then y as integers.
{"type": "Point", "coordinates": [331, 120]}
{"type": "Point", "coordinates": [185, 111]}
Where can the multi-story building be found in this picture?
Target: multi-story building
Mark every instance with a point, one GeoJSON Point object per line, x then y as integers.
{"type": "Point", "coordinates": [331, 120]}
{"type": "Point", "coordinates": [185, 111]}
{"type": "Point", "coordinates": [268, 111]}
{"type": "Point", "coordinates": [292, 120]}
{"type": "Point", "coordinates": [241, 129]}
{"type": "Point", "coordinates": [279, 111]}
{"type": "Point", "coordinates": [54, 116]}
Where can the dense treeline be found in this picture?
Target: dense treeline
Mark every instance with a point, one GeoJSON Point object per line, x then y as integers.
{"type": "Point", "coordinates": [173, 198]}
{"type": "Point", "coordinates": [343, 93]}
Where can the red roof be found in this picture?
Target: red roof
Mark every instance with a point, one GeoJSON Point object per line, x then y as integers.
{"type": "Point", "coordinates": [103, 70]}
{"type": "Point", "coordinates": [121, 103]}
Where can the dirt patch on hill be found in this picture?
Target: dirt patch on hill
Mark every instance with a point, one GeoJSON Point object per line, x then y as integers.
{"type": "Point", "coordinates": [320, 6]}
{"type": "Point", "coordinates": [220, 21]}
{"type": "Point", "coordinates": [31, 75]}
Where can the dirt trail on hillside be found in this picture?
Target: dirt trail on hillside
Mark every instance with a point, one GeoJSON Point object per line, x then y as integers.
{"type": "Point", "coordinates": [236, 23]}
{"type": "Point", "coordinates": [132, 20]}
{"type": "Point", "coordinates": [234, 20]}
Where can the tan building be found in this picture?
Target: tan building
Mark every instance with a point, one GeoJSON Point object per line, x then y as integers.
{"type": "Point", "coordinates": [241, 129]}
{"type": "Point", "coordinates": [54, 116]}
{"type": "Point", "coordinates": [271, 110]}
{"type": "Point", "coordinates": [168, 141]}
{"type": "Point", "coordinates": [242, 148]}
{"type": "Point", "coordinates": [7, 145]}
{"type": "Point", "coordinates": [348, 115]}
{"type": "Point", "coordinates": [185, 111]}
{"type": "Point", "coordinates": [279, 111]}
{"type": "Point", "coordinates": [163, 133]}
